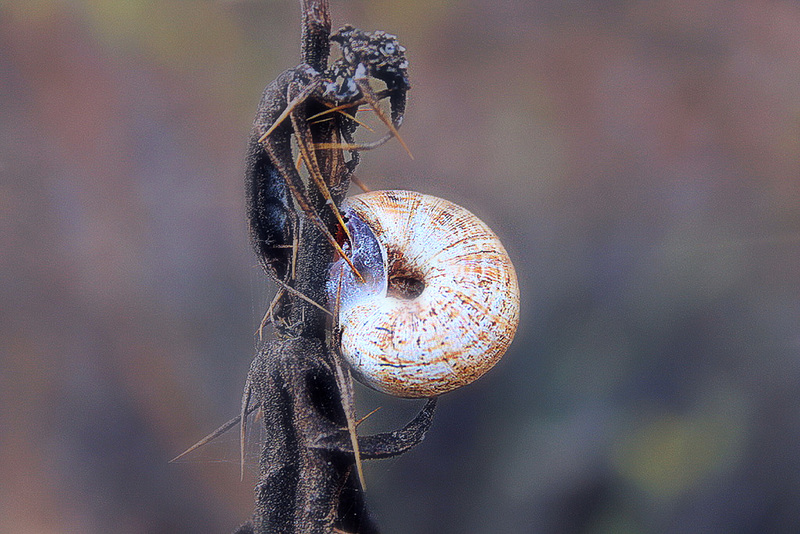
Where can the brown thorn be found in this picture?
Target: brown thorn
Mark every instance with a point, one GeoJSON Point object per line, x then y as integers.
{"type": "Point", "coordinates": [354, 146]}
{"type": "Point", "coordinates": [295, 247]}
{"type": "Point", "coordinates": [212, 436]}
{"type": "Point", "coordinates": [343, 146]}
{"type": "Point", "coordinates": [325, 193]}
{"type": "Point", "coordinates": [329, 119]}
{"type": "Point", "coordinates": [366, 416]}
{"type": "Point", "coordinates": [268, 315]}
{"type": "Point", "coordinates": [310, 160]}
{"type": "Point", "coordinates": [304, 94]}
{"type": "Point", "coordinates": [351, 117]}
{"type": "Point", "coordinates": [243, 426]}
{"type": "Point", "coordinates": [337, 307]}
{"type": "Point", "coordinates": [330, 110]}
{"type": "Point", "coordinates": [298, 294]}
{"type": "Point", "coordinates": [371, 98]}
{"type": "Point", "coordinates": [339, 489]}
{"type": "Point", "coordinates": [346, 389]}
{"type": "Point", "coordinates": [354, 119]}
{"type": "Point", "coordinates": [316, 220]}
{"type": "Point", "coordinates": [275, 124]}
{"type": "Point", "coordinates": [351, 428]}
{"type": "Point", "coordinates": [359, 183]}
{"type": "Point", "coordinates": [358, 423]}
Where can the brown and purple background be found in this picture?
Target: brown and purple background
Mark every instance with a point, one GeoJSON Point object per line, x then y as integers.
{"type": "Point", "coordinates": [639, 160]}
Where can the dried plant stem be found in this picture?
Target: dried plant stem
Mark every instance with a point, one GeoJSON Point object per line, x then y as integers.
{"type": "Point", "coordinates": [307, 477]}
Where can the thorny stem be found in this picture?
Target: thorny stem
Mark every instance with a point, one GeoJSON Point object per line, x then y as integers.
{"type": "Point", "coordinates": [306, 482]}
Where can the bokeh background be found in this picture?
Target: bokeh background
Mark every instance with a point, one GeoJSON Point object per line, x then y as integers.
{"type": "Point", "coordinates": [640, 160]}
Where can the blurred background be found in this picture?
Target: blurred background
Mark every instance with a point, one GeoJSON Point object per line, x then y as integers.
{"type": "Point", "coordinates": [640, 161]}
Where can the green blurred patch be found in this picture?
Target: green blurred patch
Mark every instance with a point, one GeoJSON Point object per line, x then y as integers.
{"type": "Point", "coordinates": [421, 15]}
{"type": "Point", "coordinates": [29, 11]}
{"type": "Point", "coordinates": [669, 453]}
{"type": "Point", "coordinates": [184, 33]}
{"type": "Point", "coordinates": [172, 33]}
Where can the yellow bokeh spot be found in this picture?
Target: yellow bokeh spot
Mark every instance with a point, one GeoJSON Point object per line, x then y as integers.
{"type": "Point", "coordinates": [29, 11]}
{"type": "Point", "coordinates": [671, 454]}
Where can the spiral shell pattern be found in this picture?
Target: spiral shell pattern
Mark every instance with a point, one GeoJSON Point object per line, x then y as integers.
{"type": "Point", "coordinates": [440, 304]}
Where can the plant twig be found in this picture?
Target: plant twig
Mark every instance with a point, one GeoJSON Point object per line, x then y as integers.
{"type": "Point", "coordinates": [316, 33]}
{"type": "Point", "coordinates": [307, 482]}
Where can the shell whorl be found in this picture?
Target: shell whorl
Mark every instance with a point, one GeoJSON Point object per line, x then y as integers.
{"type": "Point", "coordinates": [440, 305]}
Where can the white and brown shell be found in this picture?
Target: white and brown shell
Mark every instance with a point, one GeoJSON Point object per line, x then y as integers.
{"type": "Point", "coordinates": [440, 301]}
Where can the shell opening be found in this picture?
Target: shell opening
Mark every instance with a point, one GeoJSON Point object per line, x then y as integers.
{"type": "Point", "coordinates": [405, 282]}
{"type": "Point", "coordinates": [405, 287]}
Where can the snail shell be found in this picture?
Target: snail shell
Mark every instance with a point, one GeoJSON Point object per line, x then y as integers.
{"type": "Point", "coordinates": [439, 304]}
